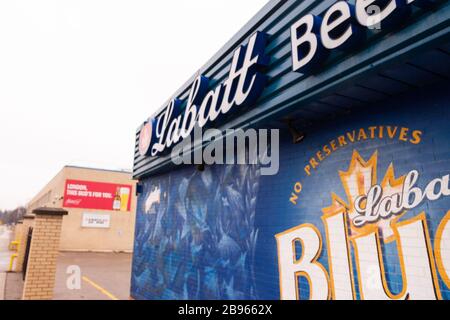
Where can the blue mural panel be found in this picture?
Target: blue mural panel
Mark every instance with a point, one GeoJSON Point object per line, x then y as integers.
{"type": "Point", "coordinates": [381, 146]}
{"type": "Point", "coordinates": [336, 222]}
{"type": "Point", "coordinates": [196, 236]}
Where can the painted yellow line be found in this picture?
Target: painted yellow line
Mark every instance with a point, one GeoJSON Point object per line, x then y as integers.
{"type": "Point", "coordinates": [102, 290]}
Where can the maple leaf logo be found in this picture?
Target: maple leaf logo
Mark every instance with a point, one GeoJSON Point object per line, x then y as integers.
{"type": "Point", "coordinates": [357, 181]}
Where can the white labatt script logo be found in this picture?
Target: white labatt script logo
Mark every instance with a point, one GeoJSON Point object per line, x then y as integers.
{"type": "Point", "coordinates": [375, 206]}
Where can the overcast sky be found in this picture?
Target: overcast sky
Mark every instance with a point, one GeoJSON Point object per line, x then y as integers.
{"type": "Point", "coordinates": [78, 77]}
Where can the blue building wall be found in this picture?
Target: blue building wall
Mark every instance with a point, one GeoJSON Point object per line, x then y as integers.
{"type": "Point", "coordinates": [212, 234]}
{"type": "Point", "coordinates": [196, 236]}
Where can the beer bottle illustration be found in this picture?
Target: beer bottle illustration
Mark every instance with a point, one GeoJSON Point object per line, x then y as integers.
{"type": "Point", "coordinates": [117, 200]}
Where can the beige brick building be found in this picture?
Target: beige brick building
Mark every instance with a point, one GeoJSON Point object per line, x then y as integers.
{"type": "Point", "coordinates": [101, 207]}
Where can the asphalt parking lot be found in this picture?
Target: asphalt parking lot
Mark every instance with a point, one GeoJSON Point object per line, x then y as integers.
{"type": "Point", "coordinates": [93, 276]}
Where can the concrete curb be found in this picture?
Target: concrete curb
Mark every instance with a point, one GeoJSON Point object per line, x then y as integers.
{"type": "Point", "coordinates": [2, 285]}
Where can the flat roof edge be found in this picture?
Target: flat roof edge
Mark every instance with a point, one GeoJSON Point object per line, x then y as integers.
{"type": "Point", "coordinates": [127, 171]}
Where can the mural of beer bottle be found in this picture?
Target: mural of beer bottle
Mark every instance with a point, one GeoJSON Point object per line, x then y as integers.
{"type": "Point", "coordinates": [117, 200]}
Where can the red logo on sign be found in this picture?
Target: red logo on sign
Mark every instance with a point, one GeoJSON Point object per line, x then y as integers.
{"type": "Point", "coordinates": [145, 139]}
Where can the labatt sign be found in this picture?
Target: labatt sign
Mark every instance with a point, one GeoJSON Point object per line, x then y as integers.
{"type": "Point", "coordinates": [341, 27]}
{"type": "Point", "coordinates": [373, 215]}
{"type": "Point", "coordinates": [244, 85]}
